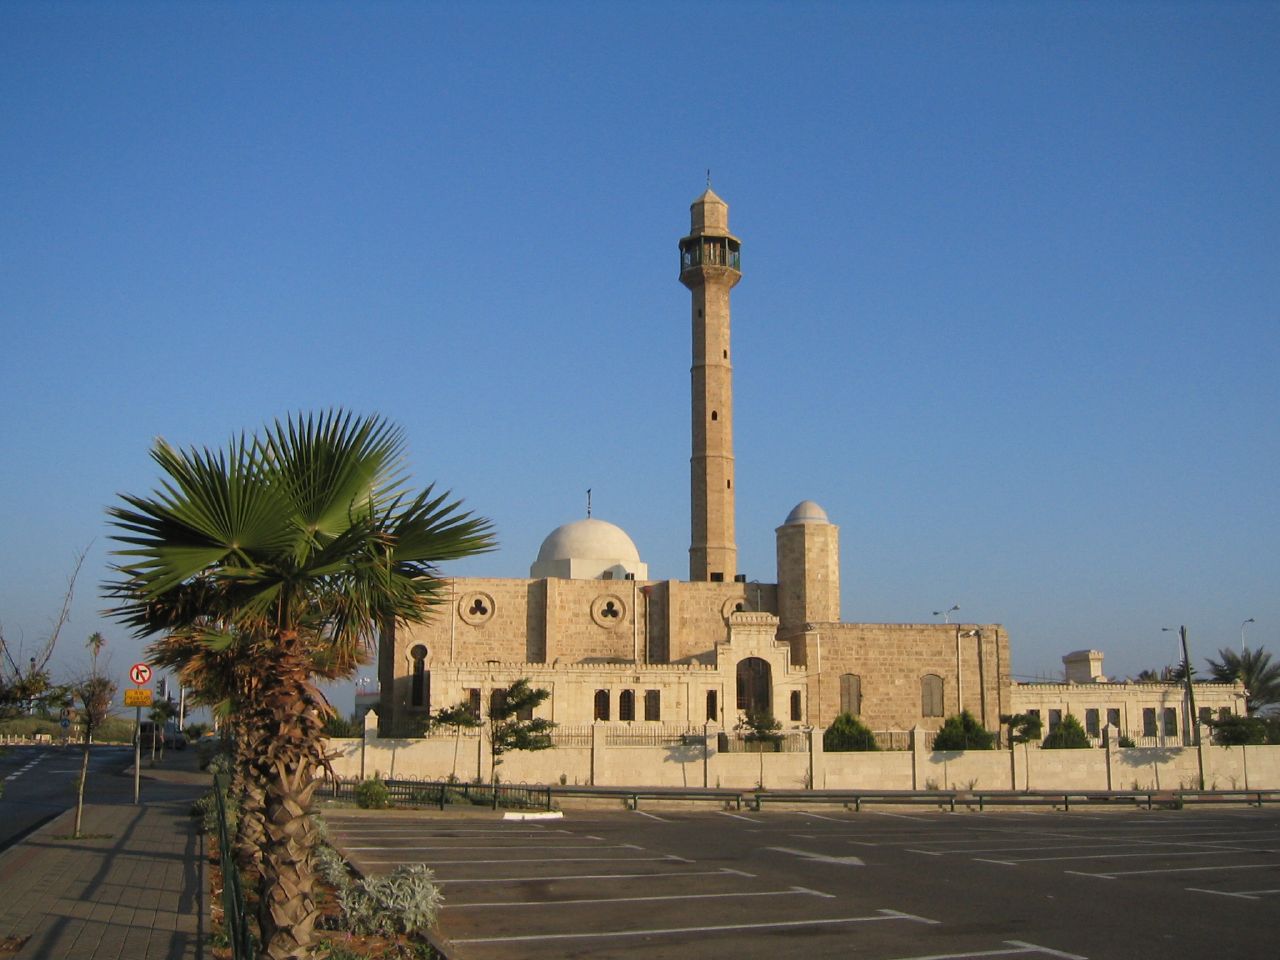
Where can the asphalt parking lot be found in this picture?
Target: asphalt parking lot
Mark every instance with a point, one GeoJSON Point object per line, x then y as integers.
{"type": "Point", "coordinates": [1165, 885]}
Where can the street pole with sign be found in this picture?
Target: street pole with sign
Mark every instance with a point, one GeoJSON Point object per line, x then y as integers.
{"type": "Point", "coordinates": [138, 698]}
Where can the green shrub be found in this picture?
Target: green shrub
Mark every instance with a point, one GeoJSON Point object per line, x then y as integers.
{"type": "Point", "coordinates": [373, 795]}
{"type": "Point", "coordinates": [847, 733]}
{"type": "Point", "coordinates": [963, 732]}
{"type": "Point", "coordinates": [343, 728]}
{"type": "Point", "coordinates": [404, 901]}
{"type": "Point", "coordinates": [1067, 735]}
{"type": "Point", "coordinates": [1124, 741]}
{"type": "Point", "coordinates": [1236, 731]}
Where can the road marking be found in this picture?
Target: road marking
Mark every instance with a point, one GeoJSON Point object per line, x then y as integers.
{"type": "Point", "coordinates": [1112, 856]}
{"type": "Point", "coordinates": [900, 816]}
{"type": "Point", "coordinates": [546, 860]}
{"type": "Point", "coordinates": [651, 816]}
{"type": "Point", "coordinates": [793, 891]}
{"type": "Point", "coordinates": [659, 931]}
{"type": "Point", "coordinates": [931, 853]}
{"type": "Point", "coordinates": [820, 857]}
{"type": "Point", "coordinates": [737, 816]}
{"type": "Point", "coordinates": [1019, 947]}
{"type": "Point", "coordinates": [535, 846]}
{"type": "Point", "coordinates": [818, 816]}
{"type": "Point", "coordinates": [602, 876]}
{"type": "Point", "coordinates": [1111, 875]}
{"type": "Point", "coordinates": [1242, 894]}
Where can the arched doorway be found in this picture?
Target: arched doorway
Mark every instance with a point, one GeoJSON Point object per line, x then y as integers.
{"type": "Point", "coordinates": [755, 686]}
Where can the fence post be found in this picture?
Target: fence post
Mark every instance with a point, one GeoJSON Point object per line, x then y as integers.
{"type": "Point", "coordinates": [817, 759]}
{"type": "Point", "coordinates": [917, 756]}
{"type": "Point", "coordinates": [1109, 744]}
{"type": "Point", "coordinates": [710, 750]}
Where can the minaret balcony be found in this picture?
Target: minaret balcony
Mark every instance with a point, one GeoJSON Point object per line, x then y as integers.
{"type": "Point", "coordinates": [704, 251]}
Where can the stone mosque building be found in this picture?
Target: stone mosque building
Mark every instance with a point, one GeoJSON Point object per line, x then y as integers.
{"type": "Point", "coordinates": [611, 644]}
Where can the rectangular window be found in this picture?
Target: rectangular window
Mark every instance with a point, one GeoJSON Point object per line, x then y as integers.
{"type": "Point", "coordinates": [473, 703]}
{"type": "Point", "coordinates": [1206, 714]}
{"type": "Point", "coordinates": [653, 704]}
{"type": "Point", "coordinates": [1034, 713]}
{"type": "Point", "coordinates": [713, 709]}
{"type": "Point", "coordinates": [1224, 712]}
{"type": "Point", "coordinates": [1055, 718]}
{"type": "Point", "coordinates": [1113, 717]}
{"type": "Point", "coordinates": [851, 694]}
{"type": "Point", "coordinates": [931, 696]}
{"type": "Point", "coordinates": [1091, 723]}
{"type": "Point", "coordinates": [1170, 722]}
{"type": "Point", "coordinates": [1149, 722]}
{"type": "Point", "coordinates": [797, 712]}
{"type": "Point", "coordinates": [601, 711]}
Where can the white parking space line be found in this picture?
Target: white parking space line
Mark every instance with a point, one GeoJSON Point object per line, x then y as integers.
{"type": "Point", "coordinates": [819, 816]}
{"type": "Point", "coordinates": [525, 846]}
{"type": "Point", "coordinates": [1112, 874]}
{"type": "Point", "coordinates": [666, 875]}
{"type": "Point", "coordinates": [1110, 856]}
{"type": "Point", "coordinates": [792, 892]}
{"type": "Point", "coordinates": [724, 928]}
{"type": "Point", "coordinates": [1019, 947]}
{"type": "Point", "coordinates": [652, 816]}
{"type": "Point", "coordinates": [1242, 894]}
{"type": "Point", "coordinates": [901, 816]}
{"type": "Point", "coordinates": [738, 816]}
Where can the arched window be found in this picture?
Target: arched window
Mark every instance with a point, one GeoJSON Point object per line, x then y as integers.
{"type": "Point", "coordinates": [797, 706]}
{"type": "Point", "coordinates": [713, 707]}
{"type": "Point", "coordinates": [602, 705]}
{"type": "Point", "coordinates": [755, 686]}
{"type": "Point", "coordinates": [931, 696]}
{"type": "Point", "coordinates": [420, 684]}
{"type": "Point", "coordinates": [627, 705]}
{"type": "Point", "coordinates": [851, 694]}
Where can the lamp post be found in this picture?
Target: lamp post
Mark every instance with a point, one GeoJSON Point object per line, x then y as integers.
{"type": "Point", "coordinates": [1242, 626]}
{"type": "Point", "coordinates": [946, 614]}
{"type": "Point", "coordinates": [1191, 698]}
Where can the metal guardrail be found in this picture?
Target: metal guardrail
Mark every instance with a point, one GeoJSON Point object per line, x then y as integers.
{"type": "Point", "coordinates": [633, 795]}
{"type": "Point", "coordinates": [234, 916]}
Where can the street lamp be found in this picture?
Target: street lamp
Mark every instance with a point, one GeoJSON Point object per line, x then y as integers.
{"type": "Point", "coordinates": [1242, 623]}
{"type": "Point", "coordinates": [946, 614]}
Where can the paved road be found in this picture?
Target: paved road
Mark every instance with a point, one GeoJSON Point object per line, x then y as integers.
{"type": "Point", "coordinates": [1102, 886]}
{"type": "Point", "coordinates": [40, 782]}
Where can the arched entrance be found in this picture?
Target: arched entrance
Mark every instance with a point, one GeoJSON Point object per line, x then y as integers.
{"type": "Point", "coordinates": [755, 686]}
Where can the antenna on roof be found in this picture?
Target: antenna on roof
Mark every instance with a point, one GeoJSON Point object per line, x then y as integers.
{"type": "Point", "coordinates": [588, 503]}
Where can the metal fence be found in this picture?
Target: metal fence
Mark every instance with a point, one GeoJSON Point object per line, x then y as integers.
{"type": "Point", "coordinates": [653, 736]}
{"type": "Point", "coordinates": [234, 917]}
{"type": "Point", "coordinates": [793, 742]}
{"type": "Point", "coordinates": [438, 793]}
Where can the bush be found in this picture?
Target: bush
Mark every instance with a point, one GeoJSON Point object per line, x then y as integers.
{"type": "Point", "coordinates": [964, 732]}
{"type": "Point", "coordinates": [1067, 735]}
{"type": "Point", "coordinates": [1124, 741]}
{"type": "Point", "coordinates": [1236, 731]}
{"type": "Point", "coordinates": [373, 795]}
{"type": "Point", "coordinates": [343, 728]}
{"type": "Point", "coordinates": [847, 733]}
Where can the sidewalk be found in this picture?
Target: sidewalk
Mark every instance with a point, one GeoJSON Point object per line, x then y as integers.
{"type": "Point", "coordinates": [134, 891]}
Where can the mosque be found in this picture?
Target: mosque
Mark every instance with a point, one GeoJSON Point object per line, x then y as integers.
{"type": "Point", "coordinates": [612, 645]}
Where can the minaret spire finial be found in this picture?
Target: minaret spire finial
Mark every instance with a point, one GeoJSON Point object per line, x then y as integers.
{"type": "Point", "coordinates": [708, 178]}
{"type": "Point", "coordinates": [588, 503]}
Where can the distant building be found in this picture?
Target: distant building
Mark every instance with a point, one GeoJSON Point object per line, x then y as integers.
{"type": "Point", "coordinates": [1150, 714]}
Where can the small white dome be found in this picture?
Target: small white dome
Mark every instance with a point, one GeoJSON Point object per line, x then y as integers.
{"type": "Point", "coordinates": [806, 511]}
{"type": "Point", "coordinates": [588, 549]}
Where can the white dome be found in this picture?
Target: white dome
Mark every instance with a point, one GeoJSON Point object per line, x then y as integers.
{"type": "Point", "coordinates": [588, 549]}
{"type": "Point", "coordinates": [806, 511]}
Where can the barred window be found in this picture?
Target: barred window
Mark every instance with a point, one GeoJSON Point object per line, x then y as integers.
{"type": "Point", "coordinates": [797, 706]}
{"type": "Point", "coordinates": [1091, 723]}
{"type": "Point", "coordinates": [1149, 721]}
{"type": "Point", "coordinates": [713, 707]}
{"type": "Point", "coordinates": [627, 705]}
{"type": "Point", "coordinates": [602, 705]}
{"type": "Point", "coordinates": [473, 702]}
{"type": "Point", "coordinates": [1113, 717]}
{"type": "Point", "coordinates": [1170, 722]}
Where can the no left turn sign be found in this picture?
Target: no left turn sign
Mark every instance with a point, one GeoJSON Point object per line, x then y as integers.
{"type": "Point", "coordinates": [140, 673]}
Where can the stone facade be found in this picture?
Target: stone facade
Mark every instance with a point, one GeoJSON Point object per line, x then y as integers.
{"type": "Point", "coordinates": [610, 644]}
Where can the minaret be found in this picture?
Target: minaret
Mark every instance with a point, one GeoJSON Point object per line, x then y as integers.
{"type": "Point", "coordinates": [709, 267]}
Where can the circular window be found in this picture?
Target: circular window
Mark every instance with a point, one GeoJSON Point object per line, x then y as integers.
{"type": "Point", "coordinates": [475, 608]}
{"type": "Point", "coordinates": [609, 611]}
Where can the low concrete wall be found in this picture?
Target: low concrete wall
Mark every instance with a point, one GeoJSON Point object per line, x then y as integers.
{"type": "Point", "coordinates": [698, 764]}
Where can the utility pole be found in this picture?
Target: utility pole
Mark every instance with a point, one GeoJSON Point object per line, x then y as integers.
{"type": "Point", "coordinates": [1191, 699]}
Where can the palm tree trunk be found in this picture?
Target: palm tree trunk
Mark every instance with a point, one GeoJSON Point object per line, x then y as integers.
{"type": "Point", "coordinates": [246, 787]}
{"type": "Point", "coordinates": [291, 711]}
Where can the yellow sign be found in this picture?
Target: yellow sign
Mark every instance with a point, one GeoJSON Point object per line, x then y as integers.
{"type": "Point", "coordinates": [137, 697]}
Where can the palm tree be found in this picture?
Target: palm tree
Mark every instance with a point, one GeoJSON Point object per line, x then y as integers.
{"type": "Point", "coordinates": [1253, 668]}
{"type": "Point", "coordinates": [300, 544]}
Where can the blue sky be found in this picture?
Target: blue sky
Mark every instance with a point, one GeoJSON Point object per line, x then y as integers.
{"type": "Point", "coordinates": [1009, 306]}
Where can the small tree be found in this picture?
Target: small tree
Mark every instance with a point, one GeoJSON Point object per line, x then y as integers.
{"type": "Point", "coordinates": [848, 733]}
{"type": "Point", "coordinates": [162, 712]}
{"type": "Point", "coordinates": [1067, 735]}
{"type": "Point", "coordinates": [963, 732]}
{"type": "Point", "coordinates": [93, 695]}
{"type": "Point", "coordinates": [512, 725]}
{"type": "Point", "coordinates": [459, 717]}
{"type": "Point", "coordinates": [1023, 727]}
{"type": "Point", "coordinates": [760, 728]}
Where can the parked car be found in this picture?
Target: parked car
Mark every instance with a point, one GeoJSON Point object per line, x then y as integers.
{"type": "Point", "coordinates": [174, 739]}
